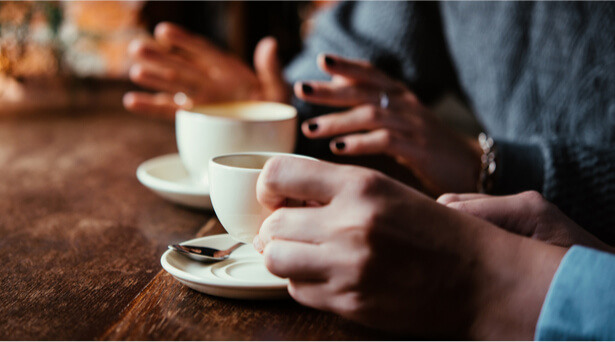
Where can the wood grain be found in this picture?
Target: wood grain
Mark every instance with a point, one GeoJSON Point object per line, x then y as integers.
{"type": "Point", "coordinates": [80, 236]}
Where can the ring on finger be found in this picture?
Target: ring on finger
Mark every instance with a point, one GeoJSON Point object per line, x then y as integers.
{"type": "Point", "coordinates": [384, 100]}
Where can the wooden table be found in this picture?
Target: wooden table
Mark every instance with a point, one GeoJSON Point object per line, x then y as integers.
{"type": "Point", "coordinates": [81, 240]}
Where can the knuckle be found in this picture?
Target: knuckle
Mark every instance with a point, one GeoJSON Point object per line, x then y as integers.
{"type": "Point", "coordinates": [136, 49]}
{"type": "Point", "coordinates": [447, 199]}
{"type": "Point", "coordinates": [534, 199]}
{"type": "Point", "coordinates": [372, 113]}
{"type": "Point", "coordinates": [270, 175]}
{"type": "Point", "coordinates": [347, 305]}
{"type": "Point", "coordinates": [410, 98]}
{"type": "Point", "coordinates": [369, 182]}
{"type": "Point", "coordinates": [272, 223]}
{"type": "Point", "coordinates": [295, 292]}
{"type": "Point", "coordinates": [136, 72]}
{"type": "Point", "coordinates": [537, 203]}
{"type": "Point", "coordinates": [172, 75]}
{"type": "Point", "coordinates": [389, 138]}
{"type": "Point", "coordinates": [272, 260]}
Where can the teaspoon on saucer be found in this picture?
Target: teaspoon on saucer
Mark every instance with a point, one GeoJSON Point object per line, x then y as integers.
{"type": "Point", "coordinates": [205, 254]}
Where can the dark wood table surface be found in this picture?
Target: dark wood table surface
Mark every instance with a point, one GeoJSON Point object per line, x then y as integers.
{"type": "Point", "coordinates": [81, 241]}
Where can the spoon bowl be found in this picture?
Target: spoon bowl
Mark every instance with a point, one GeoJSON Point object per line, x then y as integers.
{"type": "Point", "coordinates": [204, 254]}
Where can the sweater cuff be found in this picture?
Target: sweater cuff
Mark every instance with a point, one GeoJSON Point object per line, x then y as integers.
{"type": "Point", "coordinates": [580, 304]}
{"type": "Point", "coordinates": [520, 167]}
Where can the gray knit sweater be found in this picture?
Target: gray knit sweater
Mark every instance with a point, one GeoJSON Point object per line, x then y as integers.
{"type": "Point", "coordinates": [539, 76]}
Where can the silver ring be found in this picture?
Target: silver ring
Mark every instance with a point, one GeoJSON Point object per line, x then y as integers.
{"type": "Point", "coordinates": [384, 100]}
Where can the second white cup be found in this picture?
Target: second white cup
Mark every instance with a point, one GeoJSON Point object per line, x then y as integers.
{"type": "Point", "coordinates": [208, 131]}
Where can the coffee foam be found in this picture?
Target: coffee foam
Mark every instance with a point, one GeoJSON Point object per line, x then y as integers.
{"type": "Point", "coordinates": [250, 111]}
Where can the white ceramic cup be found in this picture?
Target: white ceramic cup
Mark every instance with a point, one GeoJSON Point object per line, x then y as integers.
{"type": "Point", "coordinates": [232, 187]}
{"type": "Point", "coordinates": [208, 131]}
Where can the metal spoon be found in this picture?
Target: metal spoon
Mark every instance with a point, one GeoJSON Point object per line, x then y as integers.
{"type": "Point", "coordinates": [205, 254]}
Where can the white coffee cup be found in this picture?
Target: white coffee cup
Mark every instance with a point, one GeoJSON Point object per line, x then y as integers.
{"type": "Point", "coordinates": [232, 187]}
{"type": "Point", "coordinates": [208, 131]}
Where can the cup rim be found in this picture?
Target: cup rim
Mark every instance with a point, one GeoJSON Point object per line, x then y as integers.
{"type": "Point", "coordinates": [202, 116]}
{"type": "Point", "coordinates": [270, 154]}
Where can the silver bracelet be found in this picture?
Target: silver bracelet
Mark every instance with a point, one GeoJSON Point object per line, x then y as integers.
{"type": "Point", "coordinates": [487, 163]}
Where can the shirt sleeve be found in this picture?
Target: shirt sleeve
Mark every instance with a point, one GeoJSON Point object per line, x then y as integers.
{"type": "Point", "coordinates": [580, 303]}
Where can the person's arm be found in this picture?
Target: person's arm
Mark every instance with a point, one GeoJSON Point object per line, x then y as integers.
{"type": "Point", "coordinates": [382, 254]}
{"type": "Point", "coordinates": [580, 304]}
{"type": "Point", "coordinates": [578, 178]}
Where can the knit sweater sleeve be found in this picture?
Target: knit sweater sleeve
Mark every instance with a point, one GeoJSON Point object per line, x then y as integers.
{"type": "Point", "coordinates": [404, 39]}
{"type": "Point", "coordinates": [579, 178]}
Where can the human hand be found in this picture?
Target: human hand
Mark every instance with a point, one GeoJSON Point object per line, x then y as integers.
{"type": "Point", "coordinates": [177, 61]}
{"type": "Point", "coordinates": [397, 125]}
{"type": "Point", "coordinates": [382, 254]}
{"type": "Point", "coordinates": [527, 214]}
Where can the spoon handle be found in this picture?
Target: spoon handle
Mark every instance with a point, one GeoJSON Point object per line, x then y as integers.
{"type": "Point", "coordinates": [221, 254]}
{"type": "Point", "coordinates": [209, 252]}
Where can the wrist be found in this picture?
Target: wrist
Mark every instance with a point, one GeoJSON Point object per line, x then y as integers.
{"type": "Point", "coordinates": [519, 272]}
{"type": "Point", "coordinates": [473, 165]}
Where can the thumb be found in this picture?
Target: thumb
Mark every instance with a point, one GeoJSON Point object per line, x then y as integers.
{"type": "Point", "coordinates": [269, 71]}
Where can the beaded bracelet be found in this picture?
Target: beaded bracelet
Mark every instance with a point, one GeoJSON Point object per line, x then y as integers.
{"type": "Point", "coordinates": [487, 163]}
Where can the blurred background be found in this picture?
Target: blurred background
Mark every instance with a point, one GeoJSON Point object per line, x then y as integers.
{"type": "Point", "coordinates": [59, 54]}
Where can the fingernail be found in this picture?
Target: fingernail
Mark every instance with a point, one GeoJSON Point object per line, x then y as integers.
{"type": "Point", "coordinates": [312, 126]}
{"type": "Point", "coordinates": [329, 61]}
{"type": "Point", "coordinates": [256, 242]}
{"type": "Point", "coordinates": [340, 145]}
{"type": "Point", "coordinates": [307, 89]}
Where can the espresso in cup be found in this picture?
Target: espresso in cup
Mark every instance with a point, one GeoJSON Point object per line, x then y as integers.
{"type": "Point", "coordinates": [211, 130]}
{"type": "Point", "coordinates": [232, 187]}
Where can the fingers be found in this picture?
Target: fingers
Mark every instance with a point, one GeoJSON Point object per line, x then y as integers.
{"type": "Point", "coordinates": [361, 118]}
{"type": "Point", "coordinates": [153, 105]}
{"type": "Point", "coordinates": [450, 198]}
{"type": "Point", "coordinates": [163, 71]}
{"type": "Point", "coordinates": [315, 294]}
{"type": "Point", "coordinates": [298, 178]}
{"type": "Point", "coordinates": [297, 224]}
{"type": "Point", "coordinates": [337, 94]}
{"type": "Point", "coordinates": [154, 54]}
{"type": "Point", "coordinates": [269, 70]}
{"type": "Point", "coordinates": [296, 260]}
{"type": "Point", "coordinates": [353, 83]}
{"type": "Point", "coordinates": [379, 141]}
{"type": "Point", "coordinates": [514, 213]}
{"type": "Point", "coordinates": [174, 36]}
{"type": "Point", "coordinates": [359, 71]}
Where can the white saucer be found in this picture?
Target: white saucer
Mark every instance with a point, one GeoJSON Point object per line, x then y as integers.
{"type": "Point", "coordinates": [167, 177]}
{"type": "Point", "coordinates": [243, 275]}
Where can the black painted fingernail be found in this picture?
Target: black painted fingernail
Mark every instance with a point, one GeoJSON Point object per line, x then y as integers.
{"type": "Point", "coordinates": [329, 61]}
{"type": "Point", "coordinates": [340, 145]}
{"type": "Point", "coordinates": [312, 126]}
{"type": "Point", "coordinates": [307, 89]}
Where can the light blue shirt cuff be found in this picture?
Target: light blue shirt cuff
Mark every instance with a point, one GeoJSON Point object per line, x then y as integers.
{"type": "Point", "coordinates": [580, 303]}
